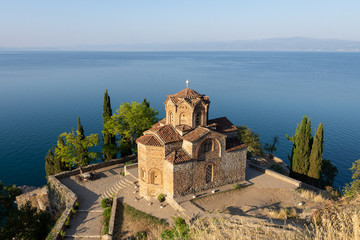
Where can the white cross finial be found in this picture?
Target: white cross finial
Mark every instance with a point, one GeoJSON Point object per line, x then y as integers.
{"type": "Point", "coordinates": [187, 83]}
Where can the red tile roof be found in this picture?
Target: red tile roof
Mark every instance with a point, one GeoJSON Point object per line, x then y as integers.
{"type": "Point", "coordinates": [233, 144]}
{"type": "Point", "coordinates": [167, 133]}
{"type": "Point", "coordinates": [183, 127]}
{"type": "Point", "coordinates": [222, 125]}
{"type": "Point", "coordinates": [178, 156]}
{"type": "Point", "coordinates": [149, 140]}
{"type": "Point", "coordinates": [187, 93]}
{"type": "Point", "coordinates": [196, 134]}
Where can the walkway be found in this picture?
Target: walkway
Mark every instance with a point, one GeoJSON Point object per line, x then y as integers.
{"type": "Point", "coordinates": [88, 220]}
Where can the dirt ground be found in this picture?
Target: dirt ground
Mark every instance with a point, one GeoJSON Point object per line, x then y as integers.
{"type": "Point", "coordinates": [255, 201]}
{"type": "Point", "coordinates": [130, 222]}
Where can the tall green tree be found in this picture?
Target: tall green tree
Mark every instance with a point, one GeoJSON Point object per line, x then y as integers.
{"type": "Point", "coordinates": [54, 165]}
{"type": "Point", "coordinates": [130, 121]}
{"type": "Point", "coordinates": [7, 198]}
{"type": "Point", "coordinates": [109, 148]}
{"type": "Point", "coordinates": [26, 223]}
{"type": "Point", "coordinates": [353, 189]}
{"type": "Point", "coordinates": [80, 129]}
{"type": "Point", "coordinates": [328, 173]}
{"type": "Point", "coordinates": [271, 147]}
{"type": "Point", "coordinates": [252, 140]}
{"type": "Point", "coordinates": [316, 154]}
{"type": "Point", "coordinates": [302, 141]}
{"type": "Point", "coordinates": [74, 149]}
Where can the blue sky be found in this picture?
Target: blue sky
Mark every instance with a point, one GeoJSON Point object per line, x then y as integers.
{"type": "Point", "coordinates": [44, 23]}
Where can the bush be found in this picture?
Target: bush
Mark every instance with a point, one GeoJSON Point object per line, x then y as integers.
{"type": "Point", "coordinates": [238, 186]}
{"type": "Point", "coordinates": [276, 168]}
{"type": "Point", "coordinates": [67, 222]}
{"type": "Point", "coordinates": [180, 231]}
{"type": "Point", "coordinates": [106, 219]}
{"type": "Point", "coordinates": [128, 163]}
{"type": "Point", "coordinates": [161, 197]}
{"type": "Point", "coordinates": [141, 235]}
{"type": "Point", "coordinates": [106, 202]}
{"type": "Point", "coordinates": [76, 206]}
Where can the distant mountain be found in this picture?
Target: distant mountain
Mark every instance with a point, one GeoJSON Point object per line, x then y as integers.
{"type": "Point", "coordinates": [273, 44]}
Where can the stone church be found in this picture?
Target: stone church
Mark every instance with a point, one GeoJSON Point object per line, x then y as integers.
{"type": "Point", "coordinates": [186, 152]}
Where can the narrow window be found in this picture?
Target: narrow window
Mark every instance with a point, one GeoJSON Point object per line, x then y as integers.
{"type": "Point", "coordinates": [209, 174]}
{"type": "Point", "coordinates": [171, 117]}
{"type": "Point", "coordinates": [197, 120]}
{"type": "Point", "coordinates": [142, 174]}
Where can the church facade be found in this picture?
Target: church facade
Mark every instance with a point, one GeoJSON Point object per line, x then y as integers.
{"type": "Point", "coordinates": [186, 152]}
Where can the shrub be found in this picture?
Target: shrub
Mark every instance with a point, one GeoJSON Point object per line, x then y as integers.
{"type": "Point", "coordinates": [283, 213]}
{"type": "Point", "coordinates": [238, 186]}
{"type": "Point", "coordinates": [76, 206]}
{"type": "Point", "coordinates": [106, 202]}
{"type": "Point", "coordinates": [72, 212]}
{"type": "Point", "coordinates": [128, 163]}
{"type": "Point", "coordinates": [141, 235]}
{"type": "Point", "coordinates": [316, 197]}
{"type": "Point", "coordinates": [180, 231]}
{"type": "Point", "coordinates": [67, 222]}
{"type": "Point", "coordinates": [161, 197]}
{"type": "Point", "coordinates": [276, 168]}
{"type": "Point", "coordinates": [106, 219]}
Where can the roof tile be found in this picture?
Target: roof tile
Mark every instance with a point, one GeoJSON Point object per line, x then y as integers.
{"type": "Point", "coordinates": [178, 156]}
{"type": "Point", "coordinates": [149, 140]}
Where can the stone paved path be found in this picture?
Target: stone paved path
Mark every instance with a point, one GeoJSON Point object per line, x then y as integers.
{"type": "Point", "coordinates": [87, 223]}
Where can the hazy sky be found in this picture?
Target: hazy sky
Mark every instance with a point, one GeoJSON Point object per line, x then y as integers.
{"type": "Point", "coordinates": [44, 23]}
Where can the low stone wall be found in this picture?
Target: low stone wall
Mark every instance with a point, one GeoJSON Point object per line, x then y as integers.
{"type": "Point", "coordinates": [112, 218]}
{"type": "Point", "coordinates": [130, 166]}
{"type": "Point", "coordinates": [284, 178]}
{"type": "Point", "coordinates": [277, 175]}
{"type": "Point", "coordinates": [95, 166]}
{"type": "Point", "coordinates": [62, 200]}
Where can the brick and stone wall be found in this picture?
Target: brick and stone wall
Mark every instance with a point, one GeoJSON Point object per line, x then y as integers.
{"type": "Point", "coordinates": [151, 162]}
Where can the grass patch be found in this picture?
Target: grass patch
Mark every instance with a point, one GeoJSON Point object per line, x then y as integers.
{"type": "Point", "coordinates": [106, 204]}
{"type": "Point", "coordinates": [138, 215]}
{"type": "Point", "coordinates": [283, 213]}
{"type": "Point", "coordinates": [316, 197]}
{"type": "Point", "coordinates": [131, 223]}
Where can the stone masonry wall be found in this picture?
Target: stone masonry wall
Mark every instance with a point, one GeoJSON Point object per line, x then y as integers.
{"type": "Point", "coordinates": [190, 177]}
{"type": "Point", "coordinates": [151, 159]}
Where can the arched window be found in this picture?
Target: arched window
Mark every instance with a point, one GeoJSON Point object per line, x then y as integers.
{"type": "Point", "coordinates": [207, 146]}
{"type": "Point", "coordinates": [142, 174]}
{"type": "Point", "coordinates": [155, 177]}
{"type": "Point", "coordinates": [209, 174]}
{"type": "Point", "coordinates": [182, 119]}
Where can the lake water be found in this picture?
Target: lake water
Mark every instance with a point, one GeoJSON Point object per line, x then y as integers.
{"type": "Point", "coordinates": [43, 93]}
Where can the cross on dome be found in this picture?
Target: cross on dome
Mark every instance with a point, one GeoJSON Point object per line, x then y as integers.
{"type": "Point", "coordinates": [187, 83]}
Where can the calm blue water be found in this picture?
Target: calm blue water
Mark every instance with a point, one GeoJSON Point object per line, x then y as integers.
{"type": "Point", "coordinates": [43, 93]}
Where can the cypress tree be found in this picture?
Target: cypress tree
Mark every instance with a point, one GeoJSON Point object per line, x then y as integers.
{"type": "Point", "coordinates": [146, 103]}
{"type": "Point", "coordinates": [316, 155]}
{"type": "Point", "coordinates": [302, 140]}
{"type": "Point", "coordinates": [109, 148]}
{"type": "Point", "coordinates": [80, 129]}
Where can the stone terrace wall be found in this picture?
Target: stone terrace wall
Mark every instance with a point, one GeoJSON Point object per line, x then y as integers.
{"type": "Point", "coordinates": [62, 199]}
